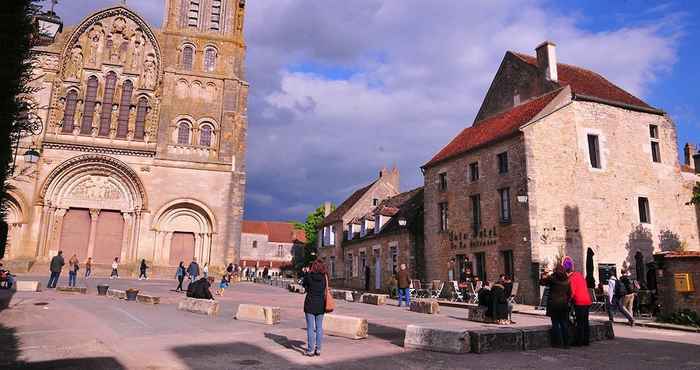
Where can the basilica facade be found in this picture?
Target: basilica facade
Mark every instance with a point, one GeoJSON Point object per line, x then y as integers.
{"type": "Point", "coordinates": [142, 146]}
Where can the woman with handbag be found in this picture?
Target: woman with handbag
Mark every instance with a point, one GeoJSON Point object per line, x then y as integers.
{"type": "Point", "coordinates": [316, 304]}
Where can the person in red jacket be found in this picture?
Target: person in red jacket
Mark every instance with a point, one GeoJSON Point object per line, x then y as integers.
{"type": "Point", "coordinates": [581, 299]}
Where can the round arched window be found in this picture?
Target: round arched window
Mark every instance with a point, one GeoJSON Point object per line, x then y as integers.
{"type": "Point", "coordinates": [205, 136]}
{"type": "Point", "coordinates": [183, 133]}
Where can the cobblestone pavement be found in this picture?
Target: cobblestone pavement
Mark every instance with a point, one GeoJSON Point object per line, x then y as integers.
{"type": "Point", "coordinates": [56, 330]}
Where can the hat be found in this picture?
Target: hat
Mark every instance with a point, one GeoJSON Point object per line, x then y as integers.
{"type": "Point", "coordinates": [568, 263]}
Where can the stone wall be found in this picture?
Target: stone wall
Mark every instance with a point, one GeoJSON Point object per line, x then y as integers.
{"type": "Point", "coordinates": [671, 300]}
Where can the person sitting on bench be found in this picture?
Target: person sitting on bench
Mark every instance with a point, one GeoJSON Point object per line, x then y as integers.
{"type": "Point", "coordinates": [485, 299]}
{"type": "Point", "coordinates": [200, 288]}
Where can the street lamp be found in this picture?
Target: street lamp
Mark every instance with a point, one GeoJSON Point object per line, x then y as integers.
{"type": "Point", "coordinates": [402, 221]}
{"type": "Point", "coordinates": [31, 156]}
{"type": "Point", "coordinates": [49, 25]}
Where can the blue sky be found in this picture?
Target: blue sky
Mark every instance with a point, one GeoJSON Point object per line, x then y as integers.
{"type": "Point", "coordinates": [341, 88]}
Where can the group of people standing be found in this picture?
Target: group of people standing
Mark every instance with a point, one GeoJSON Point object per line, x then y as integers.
{"type": "Point", "coordinates": [58, 262]}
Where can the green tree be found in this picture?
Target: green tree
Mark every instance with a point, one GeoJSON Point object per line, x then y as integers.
{"type": "Point", "coordinates": [310, 227]}
{"type": "Point", "coordinates": [696, 195]}
{"type": "Point", "coordinates": [17, 37]}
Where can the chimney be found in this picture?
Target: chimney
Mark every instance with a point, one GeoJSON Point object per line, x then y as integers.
{"type": "Point", "coordinates": [689, 150]}
{"type": "Point", "coordinates": [547, 60]}
{"type": "Point", "coordinates": [326, 209]}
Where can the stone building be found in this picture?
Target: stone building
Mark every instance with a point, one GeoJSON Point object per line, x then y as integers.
{"type": "Point", "coordinates": [269, 244]}
{"type": "Point", "coordinates": [389, 235]}
{"type": "Point", "coordinates": [142, 152]}
{"type": "Point", "coordinates": [337, 224]}
{"type": "Point", "coordinates": [558, 160]}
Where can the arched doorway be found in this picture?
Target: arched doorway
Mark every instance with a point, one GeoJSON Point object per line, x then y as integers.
{"type": "Point", "coordinates": [184, 230]}
{"type": "Point", "coordinates": [92, 208]}
{"type": "Point", "coordinates": [16, 221]}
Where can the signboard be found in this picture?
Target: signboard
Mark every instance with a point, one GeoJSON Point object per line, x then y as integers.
{"type": "Point", "coordinates": [683, 282]}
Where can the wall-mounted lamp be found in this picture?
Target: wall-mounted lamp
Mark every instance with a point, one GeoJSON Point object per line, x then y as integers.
{"type": "Point", "coordinates": [402, 221]}
{"type": "Point", "coordinates": [522, 198]}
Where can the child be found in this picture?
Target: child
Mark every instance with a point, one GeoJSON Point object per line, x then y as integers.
{"type": "Point", "coordinates": [223, 285]}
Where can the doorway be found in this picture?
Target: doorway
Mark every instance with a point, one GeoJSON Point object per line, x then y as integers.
{"type": "Point", "coordinates": [75, 234]}
{"type": "Point", "coordinates": [377, 270]}
{"type": "Point", "coordinates": [109, 237]}
{"type": "Point", "coordinates": [181, 248]}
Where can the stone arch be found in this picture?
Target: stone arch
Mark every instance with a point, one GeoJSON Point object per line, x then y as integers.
{"type": "Point", "coordinates": [17, 213]}
{"type": "Point", "coordinates": [183, 218]}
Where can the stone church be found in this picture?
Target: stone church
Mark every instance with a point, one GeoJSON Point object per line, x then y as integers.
{"type": "Point", "coordinates": [142, 147]}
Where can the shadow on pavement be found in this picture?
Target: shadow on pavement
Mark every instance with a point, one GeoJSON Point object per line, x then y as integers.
{"type": "Point", "coordinates": [283, 341]}
{"type": "Point", "coordinates": [393, 335]}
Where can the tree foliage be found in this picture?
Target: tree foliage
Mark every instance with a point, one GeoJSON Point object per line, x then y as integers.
{"type": "Point", "coordinates": [17, 37]}
{"type": "Point", "coordinates": [310, 226]}
{"type": "Point", "coordinates": [696, 195]}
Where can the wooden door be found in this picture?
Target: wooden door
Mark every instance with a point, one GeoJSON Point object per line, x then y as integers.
{"type": "Point", "coordinates": [109, 236]}
{"type": "Point", "coordinates": [181, 248]}
{"type": "Point", "coordinates": [75, 234]}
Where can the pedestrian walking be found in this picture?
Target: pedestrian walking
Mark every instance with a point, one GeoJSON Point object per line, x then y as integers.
{"type": "Point", "coordinates": [223, 284]}
{"type": "Point", "coordinates": [55, 268]}
{"type": "Point", "coordinates": [558, 305]}
{"type": "Point", "coordinates": [631, 289]}
{"type": "Point", "coordinates": [88, 267]}
{"type": "Point", "coordinates": [581, 299]}
{"type": "Point", "coordinates": [403, 282]}
{"type": "Point", "coordinates": [616, 294]}
{"type": "Point", "coordinates": [451, 270]}
{"type": "Point", "coordinates": [205, 270]}
{"type": "Point", "coordinates": [315, 283]}
{"type": "Point", "coordinates": [143, 269]}
{"type": "Point", "coordinates": [115, 267]}
{"type": "Point", "coordinates": [180, 275]}
{"type": "Point", "coordinates": [73, 267]}
{"type": "Point", "coordinates": [193, 270]}
{"type": "Point", "coordinates": [229, 270]}
{"type": "Point", "coordinates": [265, 272]}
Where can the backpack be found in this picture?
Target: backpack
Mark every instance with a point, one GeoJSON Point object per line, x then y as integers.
{"type": "Point", "coordinates": [629, 287]}
{"type": "Point", "coordinates": [620, 289]}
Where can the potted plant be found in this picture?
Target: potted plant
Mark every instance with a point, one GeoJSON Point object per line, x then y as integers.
{"type": "Point", "coordinates": [131, 294]}
{"type": "Point", "coordinates": [102, 289]}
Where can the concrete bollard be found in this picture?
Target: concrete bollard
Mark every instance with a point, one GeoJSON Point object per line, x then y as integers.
{"type": "Point", "coordinates": [147, 298]}
{"type": "Point", "coordinates": [345, 326]}
{"type": "Point", "coordinates": [116, 293]}
{"type": "Point", "coordinates": [437, 339]}
{"type": "Point", "coordinates": [375, 299]}
{"type": "Point", "coordinates": [200, 306]}
{"type": "Point", "coordinates": [260, 314]}
{"type": "Point", "coordinates": [71, 289]}
{"type": "Point", "coordinates": [26, 286]}
{"type": "Point", "coordinates": [428, 306]}
{"type": "Point", "coordinates": [345, 295]}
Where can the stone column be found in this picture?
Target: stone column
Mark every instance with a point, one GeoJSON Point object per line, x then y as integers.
{"type": "Point", "coordinates": [167, 243]}
{"type": "Point", "coordinates": [46, 219]}
{"type": "Point", "coordinates": [94, 215]}
{"type": "Point", "coordinates": [126, 252]}
{"type": "Point", "coordinates": [56, 228]}
{"type": "Point", "coordinates": [198, 248]}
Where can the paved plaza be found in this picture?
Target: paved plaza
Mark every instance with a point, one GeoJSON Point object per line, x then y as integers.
{"type": "Point", "coordinates": [58, 330]}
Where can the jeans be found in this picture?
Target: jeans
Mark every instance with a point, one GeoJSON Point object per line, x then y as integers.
{"type": "Point", "coordinates": [72, 275]}
{"type": "Point", "coordinates": [560, 332]}
{"type": "Point", "coordinates": [583, 330]}
{"type": "Point", "coordinates": [53, 279]}
{"type": "Point", "coordinates": [618, 304]}
{"type": "Point", "coordinates": [88, 272]}
{"type": "Point", "coordinates": [143, 273]}
{"type": "Point", "coordinates": [404, 295]}
{"type": "Point", "coordinates": [314, 325]}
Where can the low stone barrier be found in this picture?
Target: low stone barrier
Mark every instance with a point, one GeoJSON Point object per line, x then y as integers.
{"type": "Point", "coordinates": [345, 326]}
{"type": "Point", "coordinates": [200, 306]}
{"type": "Point", "coordinates": [536, 337]}
{"type": "Point", "coordinates": [26, 286]}
{"type": "Point", "coordinates": [601, 330]}
{"type": "Point", "coordinates": [345, 295]}
{"type": "Point", "coordinates": [296, 288]}
{"type": "Point", "coordinates": [375, 299]}
{"type": "Point", "coordinates": [437, 339]}
{"type": "Point", "coordinates": [477, 313]}
{"type": "Point", "coordinates": [496, 340]}
{"type": "Point", "coordinates": [71, 289]}
{"type": "Point", "coordinates": [260, 314]}
{"type": "Point", "coordinates": [428, 306]}
{"type": "Point", "coordinates": [147, 298]}
{"type": "Point", "coordinates": [116, 293]}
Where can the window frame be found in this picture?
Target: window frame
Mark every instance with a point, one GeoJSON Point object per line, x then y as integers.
{"type": "Point", "coordinates": [142, 109]}
{"type": "Point", "coordinates": [508, 263]}
{"type": "Point", "coordinates": [183, 62]}
{"type": "Point", "coordinates": [107, 102]}
{"type": "Point", "coordinates": [503, 165]}
{"type": "Point", "coordinates": [644, 209]}
{"type": "Point", "coordinates": [480, 262]}
{"type": "Point", "coordinates": [474, 171]}
{"type": "Point", "coordinates": [89, 105]}
{"type": "Point", "coordinates": [594, 158]}
{"type": "Point", "coordinates": [442, 181]}
{"type": "Point", "coordinates": [202, 137]}
{"type": "Point", "coordinates": [475, 203]}
{"type": "Point", "coordinates": [210, 60]}
{"type": "Point", "coordinates": [71, 106]}
{"type": "Point", "coordinates": [443, 214]}
{"type": "Point", "coordinates": [180, 131]}
{"type": "Point", "coordinates": [124, 109]}
{"type": "Point", "coordinates": [505, 209]}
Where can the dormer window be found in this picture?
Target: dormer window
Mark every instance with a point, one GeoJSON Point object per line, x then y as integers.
{"type": "Point", "coordinates": [375, 202]}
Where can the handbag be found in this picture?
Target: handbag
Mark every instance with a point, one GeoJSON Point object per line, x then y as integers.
{"type": "Point", "coordinates": [330, 303]}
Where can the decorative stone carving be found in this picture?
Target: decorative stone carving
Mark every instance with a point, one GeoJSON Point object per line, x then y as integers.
{"type": "Point", "coordinates": [95, 38]}
{"type": "Point", "coordinates": [150, 76]}
{"type": "Point", "coordinates": [96, 119]}
{"type": "Point", "coordinates": [96, 188]}
{"type": "Point", "coordinates": [75, 62]}
{"type": "Point", "coordinates": [138, 42]}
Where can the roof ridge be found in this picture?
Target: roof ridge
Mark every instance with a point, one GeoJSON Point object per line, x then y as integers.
{"type": "Point", "coordinates": [528, 101]}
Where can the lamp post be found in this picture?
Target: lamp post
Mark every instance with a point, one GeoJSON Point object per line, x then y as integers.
{"type": "Point", "coordinates": [49, 24]}
{"type": "Point", "coordinates": [29, 123]}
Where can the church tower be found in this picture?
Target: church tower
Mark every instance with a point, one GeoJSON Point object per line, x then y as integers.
{"type": "Point", "coordinates": [204, 114]}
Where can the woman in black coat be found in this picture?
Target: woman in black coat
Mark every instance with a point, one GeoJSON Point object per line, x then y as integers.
{"type": "Point", "coordinates": [315, 282]}
{"type": "Point", "coordinates": [558, 305]}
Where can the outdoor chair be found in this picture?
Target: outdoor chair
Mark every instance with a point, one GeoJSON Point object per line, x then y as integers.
{"type": "Point", "coordinates": [514, 293]}
{"type": "Point", "coordinates": [456, 294]}
{"type": "Point", "coordinates": [598, 304]}
{"type": "Point", "coordinates": [435, 293]}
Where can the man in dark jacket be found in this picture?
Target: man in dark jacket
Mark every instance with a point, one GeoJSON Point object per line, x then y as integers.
{"type": "Point", "coordinates": [558, 305]}
{"type": "Point", "coordinates": [193, 270]}
{"type": "Point", "coordinates": [200, 288]}
{"type": "Point", "coordinates": [403, 281]}
{"type": "Point", "coordinates": [56, 266]}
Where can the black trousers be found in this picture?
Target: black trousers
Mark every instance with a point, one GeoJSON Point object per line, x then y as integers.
{"type": "Point", "coordinates": [180, 279]}
{"type": "Point", "coordinates": [582, 329]}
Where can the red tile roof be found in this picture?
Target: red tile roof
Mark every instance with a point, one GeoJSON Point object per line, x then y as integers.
{"type": "Point", "coordinates": [680, 254]}
{"type": "Point", "coordinates": [279, 232]}
{"type": "Point", "coordinates": [493, 128]}
{"type": "Point", "coordinates": [587, 82]}
{"type": "Point", "coordinates": [338, 213]}
{"type": "Point", "coordinates": [265, 263]}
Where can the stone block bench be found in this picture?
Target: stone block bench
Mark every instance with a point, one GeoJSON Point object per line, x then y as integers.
{"type": "Point", "coordinates": [437, 339]}
{"type": "Point", "coordinates": [116, 293]}
{"type": "Point", "coordinates": [260, 314]}
{"type": "Point", "coordinates": [375, 299]}
{"type": "Point", "coordinates": [71, 289]}
{"type": "Point", "coordinates": [477, 313]}
{"type": "Point", "coordinates": [345, 295]}
{"type": "Point", "coordinates": [496, 339]}
{"type": "Point", "coordinates": [147, 298]}
{"type": "Point", "coordinates": [26, 286]}
{"type": "Point", "coordinates": [200, 306]}
{"type": "Point", "coordinates": [345, 326]}
{"type": "Point", "coordinates": [428, 306]}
